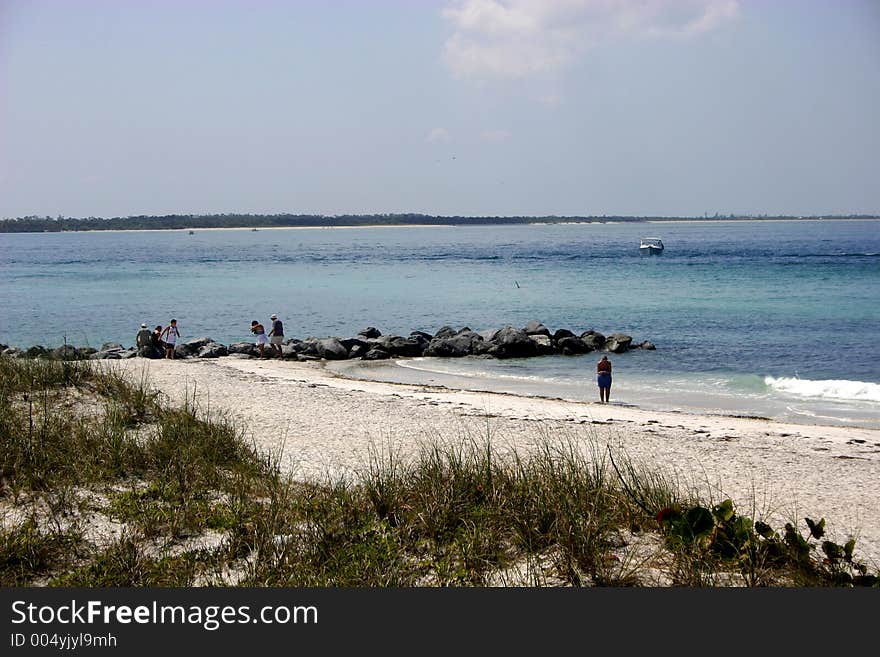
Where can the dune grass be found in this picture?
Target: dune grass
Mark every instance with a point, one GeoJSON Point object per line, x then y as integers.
{"type": "Point", "coordinates": [83, 447]}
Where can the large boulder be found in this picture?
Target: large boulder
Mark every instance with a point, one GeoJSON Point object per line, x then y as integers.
{"type": "Point", "coordinates": [488, 335]}
{"type": "Point", "coordinates": [594, 339]}
{"type": "Point", "coordinates": [562, 333]}
{"type": "Point", "coordinates": [376, 353]}
{"type": "Point", "coordinates": [427, 336]}
{"type": "Point", "coordinates": [454, 346]}
{"type": "Point", "coordinates": [512, 342]}
{"type": "Point", "coordinates": [247, 348]}
{"type": "Point", "coordinates": [398, 346]}
{"type": "Point", "coordinates": [571, 346]}
{"type": "Point", "coordinates": [332, 349]}
{"type": "Point", "coordinates": [536, 328]}
{"type": "Point", "coordinates": [543, 344]}
{"type": "Point", "coordinates": [213, 350]}
{"type": "Point", "coordinates": [111, 346]}
{"type": "Point", "coordinates": [370, 332]}
{"type": "Point", "coordinates": [445, 332]}
{"type": "Point", "coordinates": [350, 343]}
{"type": "Point", "coordinates": [617, 343]}
{"type": "Point", "coordinates": [192, 347]}
{"type": "Point", "coordinates": [648, 345]}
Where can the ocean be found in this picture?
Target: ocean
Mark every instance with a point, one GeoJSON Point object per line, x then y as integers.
{"type": "Point", "coordinates": [775, 319]}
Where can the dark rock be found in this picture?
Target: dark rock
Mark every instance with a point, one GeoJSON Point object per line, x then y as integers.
{"type": "Point", "coordinates": [594, 339]}
{"type": "Point", "coordinates": [488, 335]}
{"type": "Point", "coordinates": [376, 353]}
{"type": "Point", "coordinates": [445, 332]}
{"type": "Point", "coordinates": [147, 352]}
{"type": "Point", "coordinates": [127, 353]}
{"type": "Point", "coordinates": [562, 333]}
{"type": "Point", "coordinates": [85, 352]}
{"type": "Point", "coordinates": [192, 347]}
{"type": "Point", "coordinates": [110, 346]}
{"type": "Point", "coordinates": [213, 350]}
{"type": "Point", "coordinates": [466, 329]}
{"type": "Point", "coordinates": [358, 350]}
{"type": "Point", "coordinates": [288, 352]}
{"type": "Point", "coordinates": [617, 343]}
{"type": "Point", "coordinates": [571, 346]}
{"type": "Point", "coordinates": [370, 332]}
{"type": "Point", "coordinates": [180, 351]}
{"type": "Point", "coordinates": [543, 344]}
{"type": "Point", "coordinates": [239, 354]}
{"type": "Point", "coordinates": [453, 346]}
{"type": "Point", "coordinates": [647, 345]}
{"type": "Point", "coordinates": [427, 336]}
{"type": "Point", "coordinates": [536, 328]}
{"type": "Point", "coordinates": [332, 349]}
{"type": "Point", "coordinates": [349, 343]}
{"type": "Point", "coordinates": [407, 347]}
{"type": "Point", "coordinates": [512, 343]}
{"type": "Point", "coordinates": [247, 348]}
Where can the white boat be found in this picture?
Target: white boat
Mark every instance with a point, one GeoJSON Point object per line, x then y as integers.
{"type": "Point", "coordinates": [651, 246]}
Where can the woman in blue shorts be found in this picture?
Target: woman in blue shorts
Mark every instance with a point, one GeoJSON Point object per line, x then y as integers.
{"type": "Point", "coordinates": [603, 377]}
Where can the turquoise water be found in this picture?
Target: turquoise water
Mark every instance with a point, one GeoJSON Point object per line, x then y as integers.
{"type": "Point", "coordinates": [751, 317]}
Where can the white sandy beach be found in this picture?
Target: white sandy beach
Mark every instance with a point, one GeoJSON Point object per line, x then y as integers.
{"type": "Point", "coordinates": [318, 423]}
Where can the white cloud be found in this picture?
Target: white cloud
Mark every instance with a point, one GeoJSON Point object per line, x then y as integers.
{"type": "Point", "coordinates": [438, 135]}
{"type": "Point", "coordinates": [495, 135]}
{"type": "Point", "coordinates": [522, 38]}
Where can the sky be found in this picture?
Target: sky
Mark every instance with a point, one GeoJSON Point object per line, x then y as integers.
{"type": "Point", "coordinates": [447, 107]}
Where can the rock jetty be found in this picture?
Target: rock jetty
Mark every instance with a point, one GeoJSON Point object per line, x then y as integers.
{"type": "Point", "coordinates": [534, 339]}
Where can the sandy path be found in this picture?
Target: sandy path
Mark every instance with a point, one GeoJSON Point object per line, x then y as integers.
{"type": "Point", "coordinates": [318, 423]}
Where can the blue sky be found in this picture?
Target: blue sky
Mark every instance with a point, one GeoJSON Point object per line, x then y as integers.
{"type": "Point", "coordinates": [470, 107]}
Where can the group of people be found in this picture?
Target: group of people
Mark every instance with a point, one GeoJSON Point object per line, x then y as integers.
{"type": "Point", "coordinates": [154, 343]}
{"type": "Point", "coordinates": [274, 338]}
{"type": "Point", "coordinates": [158, 342]}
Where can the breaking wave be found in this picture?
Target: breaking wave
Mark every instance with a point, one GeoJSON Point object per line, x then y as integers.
{"type": "Point", "coordinates": [828, 389]}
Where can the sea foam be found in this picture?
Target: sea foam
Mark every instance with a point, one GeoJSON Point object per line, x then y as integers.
{"type": "Point", "coordinates": [826, 389]}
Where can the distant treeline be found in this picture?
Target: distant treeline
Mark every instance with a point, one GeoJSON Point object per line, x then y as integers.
{"type": "Point", "coordinates": [34, 224]}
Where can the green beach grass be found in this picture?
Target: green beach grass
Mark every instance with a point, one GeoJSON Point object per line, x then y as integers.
{"type": "Point", "coordinates": [102, 484]}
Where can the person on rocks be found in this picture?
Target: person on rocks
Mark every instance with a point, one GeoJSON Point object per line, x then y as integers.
{"type": "Point", "coordinates": [258, 330]}
{"type": "Point", "coordinates": [156, 340]}
{"type": "Point", "coordinates": [169, 336]}
{"type": "Point", "coordinates": [276, 335]}
{"type": "Point", "coordinates": [603, 377]}
{"type": "Point", "coordinates": [144, 342]}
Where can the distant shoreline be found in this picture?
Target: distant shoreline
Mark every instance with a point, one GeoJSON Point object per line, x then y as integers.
{"type": "Point", "coordinates": [178, 223]}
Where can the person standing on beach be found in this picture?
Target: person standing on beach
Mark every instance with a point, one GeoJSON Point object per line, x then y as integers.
{"type": "Point", "coordinates": [276, 335]}
{"type": "Point", "coordinates": [170, 335]}
{"type": "Point", "coordinates": [258, 330]}
{"type": "Point", "coordinates": [603, 376]}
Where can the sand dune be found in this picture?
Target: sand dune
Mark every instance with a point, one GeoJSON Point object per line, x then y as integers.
{"type": "Point", "coordinates": [320, 424]}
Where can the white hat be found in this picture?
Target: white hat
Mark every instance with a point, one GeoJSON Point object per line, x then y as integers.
{"type": "Point", "coordinates": [143, 326]}
{"type": "Point", "coordinates": [273, 316]}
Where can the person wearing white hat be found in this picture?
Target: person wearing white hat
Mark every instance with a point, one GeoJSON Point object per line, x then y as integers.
{"type": "Point", "coordinates": [276, 335]}
{"type": "Point", "coordinates": [144, 341]}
